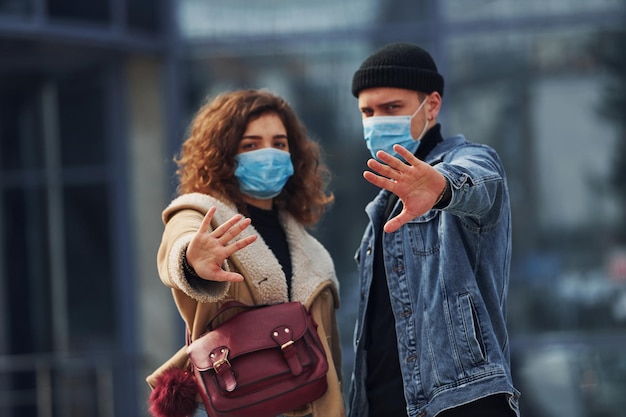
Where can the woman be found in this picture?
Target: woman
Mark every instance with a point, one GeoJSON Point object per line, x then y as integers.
{"type": "Point", "coordinates": [250, 182]}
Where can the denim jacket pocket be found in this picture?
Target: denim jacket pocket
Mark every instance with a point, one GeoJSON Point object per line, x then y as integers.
{"type": "Point", "coordinates": [423, 234]}
{"type": "Point", "coordinates": [469, 332]}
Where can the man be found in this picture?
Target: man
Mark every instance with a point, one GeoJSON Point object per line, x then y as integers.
{"type": "Point", "coordinates": [431, 337]}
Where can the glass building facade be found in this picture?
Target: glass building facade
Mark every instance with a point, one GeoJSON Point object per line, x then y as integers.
{"type": "Point", "coordinates": [95, 98]}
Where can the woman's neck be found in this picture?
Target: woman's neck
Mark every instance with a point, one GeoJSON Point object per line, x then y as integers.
{"type": "Point", "coordinates": [265, 204]}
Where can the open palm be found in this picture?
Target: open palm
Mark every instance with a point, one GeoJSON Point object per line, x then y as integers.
{"type": "Point", "coordinates": [416, 183]}
{"type": "Point", "coordinates": [208, 249]}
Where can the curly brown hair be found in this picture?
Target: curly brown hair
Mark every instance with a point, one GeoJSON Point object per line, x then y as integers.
{"type": "Point", "coordinates": [206, 163]}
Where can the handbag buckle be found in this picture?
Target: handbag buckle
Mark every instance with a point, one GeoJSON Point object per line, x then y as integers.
{"type": "Point", "coordinates": [283, 336]}
{"type": "Point", "coordinates": [217, 364]}
{"type": "Point", "coordinates": [222, 368]}
{"type": "Point", "coordinates": [219, 357]}
{"type": "Point", "coordinates": [286, 345]}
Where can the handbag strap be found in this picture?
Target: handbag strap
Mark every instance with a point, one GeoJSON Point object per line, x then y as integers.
{"type": "Point", "coordinates": [229, 305]}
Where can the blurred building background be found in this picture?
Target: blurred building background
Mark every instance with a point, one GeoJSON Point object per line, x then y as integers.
{"type": "Point", "coordinates": [95, 97]}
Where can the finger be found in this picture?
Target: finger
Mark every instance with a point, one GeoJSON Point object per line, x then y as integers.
{"type": "Point", "coordinates": [407, 155]}
{"type": "Point", "coordinates": [227, 276]}
{"type": "Point", "coordinates": [206, 221]}
{"type": "Point", "coordinates": [393, 161]}
{"type": "Point", "coordinates": [401, 219]}
{"type": "Point", "coordinates": [234, 231]}
{"type": "Point", "coordinates": [239, 244]}
{"type": "Point", "coordinates": [380, 182]}
{"type": "Point", "coordinates": [394, 224]}
{"type": "Point", "coordinates": [227, 225]}
{"type": "Point", "coordinates": [382, 169]}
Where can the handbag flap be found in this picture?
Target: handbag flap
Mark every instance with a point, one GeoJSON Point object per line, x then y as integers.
{"type": "Point", "coordinates": [250, 331]}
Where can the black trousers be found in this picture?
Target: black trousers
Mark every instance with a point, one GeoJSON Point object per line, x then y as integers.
{"type": "Point", "coordinates": [492, 406]}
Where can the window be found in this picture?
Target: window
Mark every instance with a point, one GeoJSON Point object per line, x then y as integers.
{"type": "Point", "coordinates": [57, 292]}
{"type": "Point", "coordinates": [15, 7]}
{"type": "Point", "coordinates": [96, 11]}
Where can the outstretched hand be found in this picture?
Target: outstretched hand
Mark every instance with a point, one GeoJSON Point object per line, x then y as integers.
{"type": "Point", "coordinates": [417, 184]}
{"type": "Point", "coordinates": [208, 249]}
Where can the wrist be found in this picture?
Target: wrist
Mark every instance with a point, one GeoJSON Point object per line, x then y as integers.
{"type": "Point", "coordinates": [187, 268]}
{"type": "Point", "coordinates": [444, 197]}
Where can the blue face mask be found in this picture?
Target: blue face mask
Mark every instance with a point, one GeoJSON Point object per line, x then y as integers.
{"type": "Point", "coordinates": [382, 132]}
{"type": "Point", "coordinates": [263, 173]}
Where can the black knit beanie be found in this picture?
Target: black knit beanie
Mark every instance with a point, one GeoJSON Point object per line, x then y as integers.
{"type": "Point", "coordinates": [400, 65]}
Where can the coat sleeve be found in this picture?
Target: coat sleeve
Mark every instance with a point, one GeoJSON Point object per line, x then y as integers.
{"type": "Point", "coordinates": [180, 227]}
{"type": "Point", "coordinates": [323, 312]}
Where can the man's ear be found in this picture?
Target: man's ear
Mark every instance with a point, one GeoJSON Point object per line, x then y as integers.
{"type": "Point", "coordinates": [433, 106]}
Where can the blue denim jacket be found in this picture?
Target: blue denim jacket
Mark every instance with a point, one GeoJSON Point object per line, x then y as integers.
{"type": "Point", "coordinates": [449, 273]}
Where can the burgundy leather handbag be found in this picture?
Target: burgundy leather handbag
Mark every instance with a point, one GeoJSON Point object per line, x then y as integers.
{"type": "Point", "coordinates": [264, 361]}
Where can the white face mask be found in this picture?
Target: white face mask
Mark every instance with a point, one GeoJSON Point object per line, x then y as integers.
{"type": "Point", "coordinates": [382, 132]}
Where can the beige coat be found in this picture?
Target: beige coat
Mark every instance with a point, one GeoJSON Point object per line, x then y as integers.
{"type": "Point", "coordinates": [314, 284]}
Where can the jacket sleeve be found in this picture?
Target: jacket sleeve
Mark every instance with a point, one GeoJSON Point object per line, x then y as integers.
{"type": "Point", "coordinates": [323, 312]}
{"type": "Point", "coordinates": [477, 180]}
{"type": "Point", "coordinates": [180, 227]}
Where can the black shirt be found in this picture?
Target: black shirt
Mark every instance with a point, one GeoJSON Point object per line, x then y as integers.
{"type": "Point", "coordinates": [267, 223]}
{"type": "Point", "coordinates": [385, 390]}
